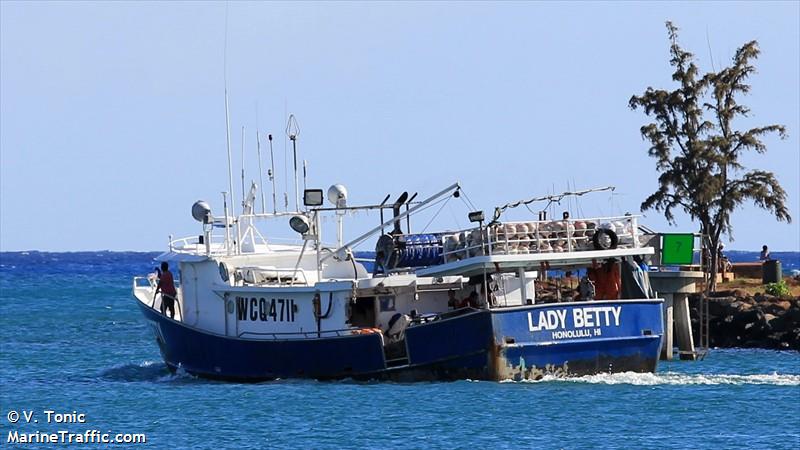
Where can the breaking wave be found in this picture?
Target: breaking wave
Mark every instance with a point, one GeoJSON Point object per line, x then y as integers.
{"type": "Point", "coordinates": [673, 378]}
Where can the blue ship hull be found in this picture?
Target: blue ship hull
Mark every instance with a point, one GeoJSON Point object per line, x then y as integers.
{"type": "Point", "coordinates": [513, 343]}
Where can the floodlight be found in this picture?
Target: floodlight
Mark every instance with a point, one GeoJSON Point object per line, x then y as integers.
{"type": "Point", "coordinates": [312, 197]}
{"type": "Point", "coordinates": [300, 224]}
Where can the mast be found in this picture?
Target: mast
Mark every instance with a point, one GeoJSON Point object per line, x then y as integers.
{"type": "Point", "coordinates": [272, 176]}
{"type": "Point", "coordinates": [293, 131]}
{"type": "Point", "coordinates": [230, 166]}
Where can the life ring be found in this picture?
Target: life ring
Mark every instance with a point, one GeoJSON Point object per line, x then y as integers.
{"type": "Point", "coordinates": [605, 239]}
{"type": "Point", "coordinates": [367, 331]}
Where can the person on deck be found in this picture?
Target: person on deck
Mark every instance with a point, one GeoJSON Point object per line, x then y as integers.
{"type": "Point", "coordinates": [452, 301]}
{"type": "Point", "coordinates": [764, 254]}
{"type": "Point", "coordinates": [606, 279]}
{"type": "Point", "coordinates": [471, 301]}
{"type": "Point", "coordinates": [166, 285]}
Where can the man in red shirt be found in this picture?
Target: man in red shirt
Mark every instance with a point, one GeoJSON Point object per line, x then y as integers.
{"type": "Point", "coordinates": [606, 278]}
{"type": "Point", "coordinates": [166, 285]}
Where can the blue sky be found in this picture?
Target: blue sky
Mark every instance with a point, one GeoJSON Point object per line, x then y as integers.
{"type": "Point", "coordinates": [112, 114]}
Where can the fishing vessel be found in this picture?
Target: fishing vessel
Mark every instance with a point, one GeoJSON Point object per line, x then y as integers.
{"type": "Point", "coordinates": [458, 304]}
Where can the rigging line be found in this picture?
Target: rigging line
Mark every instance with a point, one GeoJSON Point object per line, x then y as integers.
{"type": "Point", "coordinates": [577, 202]}
{"type": "Point", "coordinates": [468, 202]}
{"type": "Point", "coordinates": [446, 200]}
{"type": "Point", "coordinates": [455, 218]}
{"type": "Point", "coordinates": [530, 210]}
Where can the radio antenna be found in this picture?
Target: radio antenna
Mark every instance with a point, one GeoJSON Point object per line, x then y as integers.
{"type": "Point", "coordinates": [260, 170]}
{"type": "Point", "coordinates": [272, 175]}
{"type": "Point", "coordinates": [243, 192]}
{"type": "Point", "coordinates": [293, 131]}
{"type": "Point", "coordinates": [305, 174]}
{"type": "Point", "coordinates": [227, 115]}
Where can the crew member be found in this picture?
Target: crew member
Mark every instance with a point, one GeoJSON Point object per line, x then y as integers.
{"type": "Point", "coordinates": [607, 280]}
{"type": "Point", "coordinates": [471, 301]}
{"type": "Point", "coordinates": [452, 301]}
{"type": "Point", "coordinates": [166, 285]}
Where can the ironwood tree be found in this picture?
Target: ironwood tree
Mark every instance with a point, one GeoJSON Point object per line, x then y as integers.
{"type": "Point", "coordinates": [697, 146]}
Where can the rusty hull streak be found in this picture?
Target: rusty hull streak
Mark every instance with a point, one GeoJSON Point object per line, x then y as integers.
{"type": "Point", "coordinates": [503, 369]}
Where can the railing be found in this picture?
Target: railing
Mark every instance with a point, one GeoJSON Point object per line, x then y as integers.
{"type": "Point", "coordinates": [151, 285]}
{"type": "Point", "coordinates": [545, 236]}
{"type": "Point", "coordinates": [192, 244]}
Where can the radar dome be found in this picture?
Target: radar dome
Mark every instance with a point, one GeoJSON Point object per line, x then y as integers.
{"type": "Point", "coordinates": [337, 195]}
{"type": "Point", "coordinates": [201, 211]}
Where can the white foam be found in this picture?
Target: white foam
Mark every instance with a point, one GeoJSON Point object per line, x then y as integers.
{"type": "Point", "coordinates": [674, 378]}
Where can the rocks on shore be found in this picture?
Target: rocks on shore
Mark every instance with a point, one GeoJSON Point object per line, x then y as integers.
{"type": "Point", "coordinates": [737, 319]}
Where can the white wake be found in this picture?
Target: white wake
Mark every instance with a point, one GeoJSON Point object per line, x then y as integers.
{"type": "Point", "coordinates": [674, 378]}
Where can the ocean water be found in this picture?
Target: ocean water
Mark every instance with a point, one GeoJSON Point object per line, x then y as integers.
{"type": "Point", "coordinates": [72, 339]}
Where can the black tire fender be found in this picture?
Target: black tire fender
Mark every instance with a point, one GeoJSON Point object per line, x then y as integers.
{"type": "Point", "coordinates": [605, 239]}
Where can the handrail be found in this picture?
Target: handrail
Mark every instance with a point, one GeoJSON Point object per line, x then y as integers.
{"type": "Point", "coordinates": [537, 236]}
{"type": "Point", "coordinates": [178, 310]}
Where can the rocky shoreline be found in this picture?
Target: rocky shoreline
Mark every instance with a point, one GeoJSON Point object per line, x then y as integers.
{"type": "Point", "coordinates": [738, 319]}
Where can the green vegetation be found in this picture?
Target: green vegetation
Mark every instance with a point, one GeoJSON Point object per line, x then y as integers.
{"type": "Point", "coordinates": [778, 289]}
{"type": "Point", "coordinates": [698, 156]}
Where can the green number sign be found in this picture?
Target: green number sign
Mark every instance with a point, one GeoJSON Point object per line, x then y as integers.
{"type": "Point", "coordinates": [677, 249]}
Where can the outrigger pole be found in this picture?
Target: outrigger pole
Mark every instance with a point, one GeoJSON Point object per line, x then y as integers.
{"type": "Point", "coordinates": [555, 198]}
{"type": "Point", "coordinates": [453, 187]}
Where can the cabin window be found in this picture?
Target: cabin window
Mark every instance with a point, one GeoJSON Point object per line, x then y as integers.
{"type": "Point", "coordinates": [362, 314]}
{"type": "Point", "coordinates": [387, 303]}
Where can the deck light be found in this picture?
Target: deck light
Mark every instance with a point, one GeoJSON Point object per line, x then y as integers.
{"type": "Point", "coordinates": [312, 197]}
{"type": "Point", "coordinates": [300, 224]}
{"type": "Point", "coordinates": [476, 216]}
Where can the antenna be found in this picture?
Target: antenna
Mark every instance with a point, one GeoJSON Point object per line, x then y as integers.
{"type": "Point", "coordinates": [305, 174]}
{"type": "Point", "coordinates": [293, 131]}
{"type": "Point", "coordinates": [227, 113]}
{"type": "Point", "coordinates": [243, 193]}
{"type": "Point", "coordinates": [272, 175]}
{"type": "Point", "coordinates": [285, 162]}
{"type": "Point", "coordinates": [260, 170]}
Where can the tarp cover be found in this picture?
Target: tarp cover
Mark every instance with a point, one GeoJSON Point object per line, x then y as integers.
{"type": "Point", "coordinates": [635, 282]}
